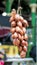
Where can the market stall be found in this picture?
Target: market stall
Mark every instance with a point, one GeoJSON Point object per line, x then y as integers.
{"type": "Point", "coordinates": [13, 28]}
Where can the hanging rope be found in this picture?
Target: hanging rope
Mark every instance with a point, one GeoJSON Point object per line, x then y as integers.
{"type": "Point", "coordinates": [19, 8]}
{"type": "Point", "coordinates": [19, 3]}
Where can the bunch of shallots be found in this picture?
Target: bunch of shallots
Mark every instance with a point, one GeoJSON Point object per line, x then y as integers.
{"type": "Point", "coordinates": [18, 30]}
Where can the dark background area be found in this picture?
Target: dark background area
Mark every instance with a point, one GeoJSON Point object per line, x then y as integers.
{"type": "Point", "coordinates": [4, 21]}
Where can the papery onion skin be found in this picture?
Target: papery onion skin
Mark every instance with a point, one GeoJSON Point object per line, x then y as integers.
{"type": "Point", "coordinates": [19, 24]}
{"type": "Point", "coordinates": [12, 30]}
{"type": "Point", "coordinates": [16, 42]}
{"type": "Point", "coordinates": [13, 24]}
{"type": "Point", "coordinates": [24, 43]}
{"type": "Point", "coordinates": [23, 54]}
{"type": "Point", "coordinates": [25, 48]}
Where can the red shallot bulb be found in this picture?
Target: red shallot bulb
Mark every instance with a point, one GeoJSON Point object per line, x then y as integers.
{"type": "Point", "coordinates": [21, 32]}
{"type": "Point", "coordinates": [13, 24]}
{"type": "Point", "coordinates": [24, 30]}
{"type": "Point", "coordinates": [12, 30]}
{"type": "Point", "coordinates": [21, 19]}
{"type": "Point", "coordinates": [19, 37]}
{"type": "Point", "coordinates": [23, 54]}
{"type": "Point", "coordinates": [17, 29]}
{"type": "Point", "coordinates": [24, 43]}
{"type": "Point", "coordinates": [15, 35]}
{"type": "Point", "coordinates": [16, 42]}
{"type": "Point", "coordinates": [17, 17]}
{"type": "Point", "coordinates": [11, 19]}
{"type": "Point", "coordinates": [26, 37]}
{"type": "Point", "coordinates": [13, 13]}
{"type": "Point", "coordinates": [19, 24]}
{"type": "Point", "coordinates": [25, 48]}
{"type": "Point", "coordinates": [25, 23]}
